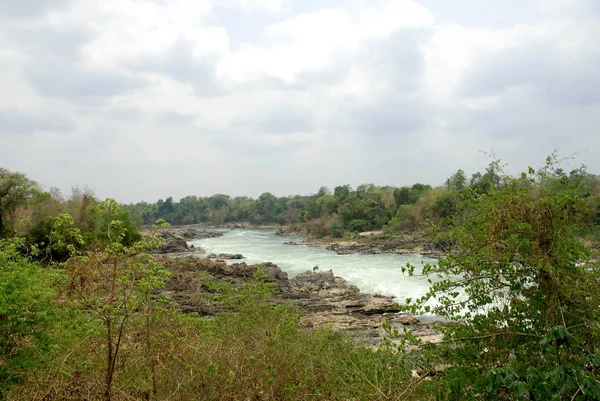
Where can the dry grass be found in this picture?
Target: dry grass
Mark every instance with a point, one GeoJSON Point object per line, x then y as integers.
{"type": "Point", "coordinates": [258, 352]}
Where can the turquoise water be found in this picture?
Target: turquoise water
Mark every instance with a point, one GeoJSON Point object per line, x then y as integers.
{"type": "Point", "coordinates": [371, 273]}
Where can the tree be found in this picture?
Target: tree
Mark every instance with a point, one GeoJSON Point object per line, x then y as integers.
{"type": "Point", "coordinates": [80, 206]}
{"type": "Point", "coordinates": [521, 286]}
{"type": "Point", "coordinates": [268, 207]}
{"type": "Point", "coordinates": [15, 191]}
{"type": "Point", "coordinates": [342, 191]}
{"type": "Point", "coordinates": [218, 201]}
{"type": "Point", "coordinates": [117, 285]}
{"type": "Point", "coordinates": [323, 191]}
{"type": "Point", "coordinates": [402, 196]}
{"type": "Point", "coordinates": [458, 180]}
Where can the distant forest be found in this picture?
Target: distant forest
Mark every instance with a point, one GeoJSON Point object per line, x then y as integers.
{"type": "Point", "coordinates": [346, 210]}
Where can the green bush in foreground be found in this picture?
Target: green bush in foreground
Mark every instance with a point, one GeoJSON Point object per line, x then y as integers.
{"type": "Point", "coordinates": [524, 292]}
{"type": "Point", "coordinates": [36, 324]}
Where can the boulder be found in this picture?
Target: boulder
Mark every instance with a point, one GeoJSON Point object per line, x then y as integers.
{"type": "Point", "coordinates": [317, 281]}
{"type": "Point", "coordinates": [172, 243]}
{"type": "Point", "coordinates": [226, 256]}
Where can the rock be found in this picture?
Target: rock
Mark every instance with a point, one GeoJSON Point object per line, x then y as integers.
{"type": "Point", "coordinates": [289, 230]}
{"type": "Point", "coordinates": [227, 256]}
{"type": "Point", "coordinates": [201, 234]}
{"type": "Point", "coordinates": [175, 239]}
{"type": "Point", "coordinates": [172, 243]}
{"type": "Point", "coordinates": [407, 319]}
{"type": "Point", "coordinates": [397, 246]}
{"type": "Point", "coordinates": [190, 233]}
{"type": "Point", "coordinates": [325, 299]}
{"type": "Point", "coordinates": [315, 281]}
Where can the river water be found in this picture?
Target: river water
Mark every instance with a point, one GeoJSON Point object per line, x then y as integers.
{"type": "Point", "coordinates": [370, 273]}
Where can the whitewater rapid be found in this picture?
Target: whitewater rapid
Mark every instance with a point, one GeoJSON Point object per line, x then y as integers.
{"type": "Point", "coordinates": [376, 274]}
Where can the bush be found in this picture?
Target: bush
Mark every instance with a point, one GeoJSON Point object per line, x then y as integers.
{"type": "Point", "coordinates": [525, 291]}
{"type": "Point", "coordinates": [358, 225]}
{"type": "Point", "coordinates": [28, 311]}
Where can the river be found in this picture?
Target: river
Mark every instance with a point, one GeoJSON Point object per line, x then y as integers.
{"type": "Point", "coordinates": [380, 274]}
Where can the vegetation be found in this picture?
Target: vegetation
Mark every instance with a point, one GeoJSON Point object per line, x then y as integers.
{"type": "Point", "coordinates": [523, 288]}
{"type": "Point", "coordinates": [93, 330]}
{"type": "Point", "coordinates": [345, 210]}
{"type": "Point", "coordinates": [81, 317]}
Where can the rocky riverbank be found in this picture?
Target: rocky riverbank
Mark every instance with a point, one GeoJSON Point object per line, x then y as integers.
{"type": "Point", "coordinates": [396, 246]}
{"type": "Point", "coordinates": [372, 243]}
{"type": "Point", "coordinates": [374, 246]}
{"type": "Point", "coordinates": [176, 239]}
{"type": "Point", "coordinates": [324, 299]}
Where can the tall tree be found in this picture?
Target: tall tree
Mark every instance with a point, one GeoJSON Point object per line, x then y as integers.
{"type": "Point", "coordinates": [15, 191]}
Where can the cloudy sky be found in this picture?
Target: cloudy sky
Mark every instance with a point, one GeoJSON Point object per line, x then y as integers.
{"type": "Point", "coordinates": [145, 99]}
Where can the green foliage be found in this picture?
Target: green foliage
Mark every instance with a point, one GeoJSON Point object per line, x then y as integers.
{"type": "Point", "coordinates": [522, 287]}
{"type": "Point", "coordinates": [458, 180]}
{"type": "Point", "coordinates": [115, 224]}
{"type": "Point", "coordinates": [56, 238]}
{"type": "Point", "coordinates": [15, 191]}
{"type": "Point", "coordinates": [255, 350]}
{"type": "Point", "coordinates": [27, 311]}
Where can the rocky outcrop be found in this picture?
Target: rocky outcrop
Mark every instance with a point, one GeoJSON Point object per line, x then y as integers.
{"type": "Point", "coordinates": [235, 226]}
{"type": "Point", "coordinates": [328, 300]}
{"type": "Point", "coordinates": [321, 282]}
{"type": "Point", "coordinates": [228, 256]}
{"type": "Point", "coordinates": [175, 239]}
{"type": "Point", "coordinates": [289, 230]}
{"type": "Point", "coordinates": [173, 243]}
{"type": "Point", "coordinates": [190, 273]}
{"type": "Point", "coordinates": [189, 233]}
{"type": "Point", "coordinates": [397, 246]}
{"type": "Point", "coordinates": [194, 233]}
{"type": "Point", "coordinates": [325, 299]}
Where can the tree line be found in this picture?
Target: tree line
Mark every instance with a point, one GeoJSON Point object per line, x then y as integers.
{"type": "Point", "coordinates": [347, 210]}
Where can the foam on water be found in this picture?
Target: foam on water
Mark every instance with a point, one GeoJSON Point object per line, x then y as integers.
{"type": "Point", "coordinates": [371, 273]}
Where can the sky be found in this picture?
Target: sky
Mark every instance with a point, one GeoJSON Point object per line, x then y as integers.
{"type": "Point", "coordinates": [146, 99]}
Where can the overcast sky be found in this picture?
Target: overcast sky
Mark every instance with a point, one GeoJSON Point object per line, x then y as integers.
{"type": "Point", "coordinates": [145, 99]}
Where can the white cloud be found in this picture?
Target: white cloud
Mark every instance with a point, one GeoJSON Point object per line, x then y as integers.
{"type": "Point", "coordinates": [269, 5]}
{"type": "Point", "coordinates": [145, 99]}
{"type": "Point", "coordinates": [395, 14]}
{"type": "Point", "coordinates": [128, 30]}
{"type": "Point", "coordinates": [555, 5]}
{"type": "Point", "coordinates": [308, 41]}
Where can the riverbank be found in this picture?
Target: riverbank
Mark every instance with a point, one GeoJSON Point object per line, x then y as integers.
{"type": "Point", "coordinates": [323, 298]}
{"type": "Point", "coordinates": [366, 243]}
{"type": "Point", "coordinates": [375, 243]}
